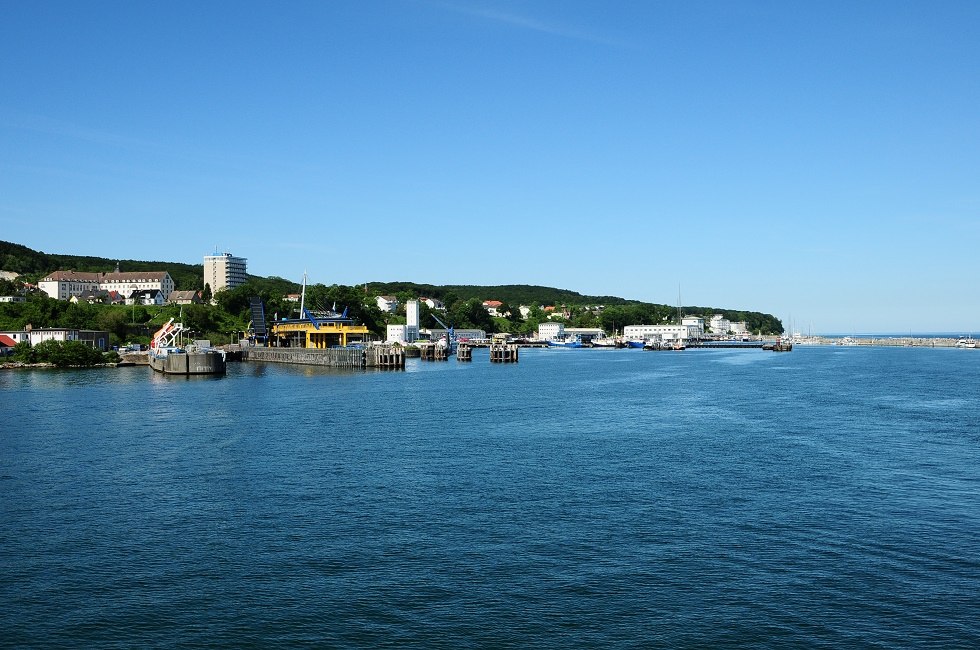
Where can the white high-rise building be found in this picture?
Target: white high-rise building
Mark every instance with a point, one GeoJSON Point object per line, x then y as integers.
{"type": "Point", "coordinates": [224, 271]}
{"type": "Point", "coordinates": [412, 321]}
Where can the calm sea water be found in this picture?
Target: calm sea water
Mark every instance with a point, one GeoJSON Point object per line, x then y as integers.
{"type": "Point", "coordinates": [829, 497]}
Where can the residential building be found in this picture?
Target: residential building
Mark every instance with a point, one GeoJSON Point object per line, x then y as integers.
{"type": "Point", "coordinates": [16, 336]}
{"type": "Point", "coordinates": [387, 303]}
{"type": "Point", "coordinates": [12, 299]}
{"type": "Point", "coordinates": [184, 298]}
{"type": "Point", "coordinates": [145, 297]}
{"type": "Point", "coordinates": [62, 285]}
{"type": "Point", "coordinates": [493, 306]}
{"type": "Point", "coordinates": [433, 303]}
{"type": "Point", "coordinates": [224, 271]}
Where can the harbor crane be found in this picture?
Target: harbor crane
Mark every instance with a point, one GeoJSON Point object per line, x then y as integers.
{"type": "Point", "coordinates": [450, 334]}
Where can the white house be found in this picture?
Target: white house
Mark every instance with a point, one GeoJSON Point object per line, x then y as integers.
{"type": "Point", "coordinates": [525, 311]}
{"type": "Point", "coordinates": [493, 306]}
{"type": "Point", "coordinates": [720, 324]}
{"type": "Point", "coordinates": [433, 303]}
{"type": "Point", "coordinates": [387, 303]}
{"type": "Point", "coordinates": [551, 331]}
{"type": "Point", "coordinates": [738, 328]}
{"type": "Point", "coordinates": [145, 297]}
{"type": "Point", "coordinates": [12, 299]}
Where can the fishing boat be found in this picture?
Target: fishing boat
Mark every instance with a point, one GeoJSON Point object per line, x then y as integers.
{"type": "Point", "coordinates": [635, 344]}
{"type": "Point", "coordinates": [170, 358]}
{"type": "Point", "coordinates": [567, 342]}
{"type": "Point", "coordinates": [604, 343]}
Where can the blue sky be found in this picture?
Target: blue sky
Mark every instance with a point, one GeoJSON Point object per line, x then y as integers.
{"type": "Point", "coordinates": [816, 161]}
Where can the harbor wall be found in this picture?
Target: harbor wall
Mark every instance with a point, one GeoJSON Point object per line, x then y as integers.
{"type": "Point", "coordinates": [331, 357]}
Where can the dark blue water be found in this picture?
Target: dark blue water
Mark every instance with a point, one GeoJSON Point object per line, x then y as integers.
{"type": "Point", "coordinates": [828, 497]}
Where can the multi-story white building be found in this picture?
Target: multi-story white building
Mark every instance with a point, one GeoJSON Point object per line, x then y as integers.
{"type": "Point", "coordinates": [695, 321]}
{"type": "Point", "coordinates": [720, 324]}
{"type": "Point", "coordinates": [125, 283]}
{"type": "Point", "coordinates": [412, 321]}
{"type": "Point", "coordinates": [660, 332]}
{"type": "Point", "coordinates": [551, 331]}
{"type": "Point", "coordinates": [62, 285]}
{"type": "Point", "coordinates": [224, 271]}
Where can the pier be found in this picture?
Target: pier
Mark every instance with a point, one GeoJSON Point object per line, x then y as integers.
{"type": "Point", "coordinates": [433, 352]}
{"type": "Point", "coordinates": [503, 353]}
{"type": "Point", "coordinates": [373, 357]}
{"type": "Point", "coordinates": [464, 352]}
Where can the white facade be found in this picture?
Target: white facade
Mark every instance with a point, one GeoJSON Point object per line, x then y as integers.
{"type": "Point", "coordinates": [551, 331]}
{"type": "Point", "coordinates": [586, 334]}
{"type": "Point", "coordinates": [17, 336]}
{"type": "Point", "coordinates": [42, 335]}
{"type": "Point", "coordinates": [739, 328]}
{"type": "Point", "coordinates": [720, 324]}
{"type": "Point", "coordinates": [412, 321]}
{"type": "Point", "coordinates": [126, 283]}
{"type": "Point", "coordinates": [396, 334]}
{"type": "Point", "coordinates": [387, 303]}
{"type": "Point", "coordinates": [659, 332]}
{"type": "Point", "coordinates": [434, 304]}
{"type": "Point", "coordinates": [224, 271]}
{"type": "Point", "coordinates": [62, 285]}
{"type": "Point", "coordinates": [13, 299]}
{"type": "Point", "coordinates": [695, 321]}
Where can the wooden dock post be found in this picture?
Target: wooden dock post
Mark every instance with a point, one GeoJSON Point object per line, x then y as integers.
{"type": "Point", "coordinates": [464, 352]}
{"type": "Point", "coordinates": [503, 353]}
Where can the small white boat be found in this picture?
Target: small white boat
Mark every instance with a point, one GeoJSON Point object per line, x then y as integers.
{"type": "Point", "coordinates": [966, 342]}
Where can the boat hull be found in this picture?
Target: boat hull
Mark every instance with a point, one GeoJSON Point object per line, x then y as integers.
{"type": "Point", "coordinates": [189, 363]}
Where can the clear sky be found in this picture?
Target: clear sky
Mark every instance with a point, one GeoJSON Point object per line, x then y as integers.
{"type": "Point", "coordinates": [819, 161]}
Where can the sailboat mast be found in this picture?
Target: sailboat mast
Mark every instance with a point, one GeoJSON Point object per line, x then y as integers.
{"type": "Point", "coordinates": [302, 297]}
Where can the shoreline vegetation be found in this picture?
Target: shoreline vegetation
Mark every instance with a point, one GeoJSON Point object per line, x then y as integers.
{"type": "Point", "coordinates": [222, 318]}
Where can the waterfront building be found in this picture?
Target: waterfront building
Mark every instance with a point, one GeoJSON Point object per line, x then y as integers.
{"type": "Point", "coordinates": [412, 321]}
{"type": "Point", "coordinates": [224, 271]}
{"type": "Point", "coordinates": [11, 338]}
{"type": "Point", "coordinates": [660, 332]}
{"type": "Point", "coordinates": [720, 324]}
{"type": "Point", "coordinates": [695, 321]}
{"type": "Point", "coordinates": [551, 331]}
{"type": "Point", "coordinates": [395, 334]}
{"type": "Point", "coordinates": [324, 333]}
{"type": "Point", "coordinates": [95, 338]}
{"type": "Point", "coordinates": [585, 334]}
{"type": "Point", "coordinates": [461, 334]}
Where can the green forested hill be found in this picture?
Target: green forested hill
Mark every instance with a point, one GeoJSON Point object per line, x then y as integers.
{"type": "Point", "coordinates": [35, 265]}
{"type": "Point", "coordinates": [463, 301]}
